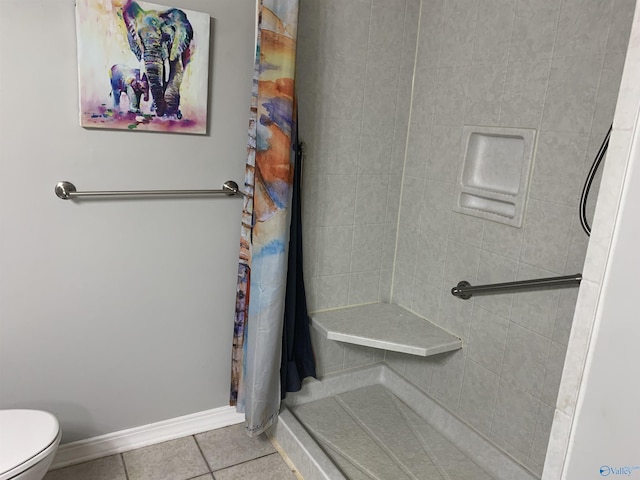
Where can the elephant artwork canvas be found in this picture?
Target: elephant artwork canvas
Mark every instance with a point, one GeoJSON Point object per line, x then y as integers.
{"type": "Point", "coordinates": [142, 66]}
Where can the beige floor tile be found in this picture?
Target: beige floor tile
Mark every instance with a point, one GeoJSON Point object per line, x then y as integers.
{"type": "Point", "coordinates": [208, 476]}
{"type": "Point", "coordinates": [230, 446]}
{"type": "Point", "coordinates": [106, 468]}
{"type": "Point", "coordinates": [271, 467]}
{"type": "Point", "coordinates": [175, 460]}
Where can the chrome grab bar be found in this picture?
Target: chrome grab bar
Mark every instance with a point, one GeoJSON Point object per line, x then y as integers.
{"type": "Point", "coordinates": [67, 191]}
{"type": "Point", "coordinates": [465, 290]}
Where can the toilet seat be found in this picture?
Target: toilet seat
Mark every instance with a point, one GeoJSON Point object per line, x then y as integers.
{"type": "Point", "coordinates": [26, 437]}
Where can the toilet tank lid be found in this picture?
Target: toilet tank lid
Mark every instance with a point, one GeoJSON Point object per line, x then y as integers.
{"type": "Point", "coordinates": [23, 435]}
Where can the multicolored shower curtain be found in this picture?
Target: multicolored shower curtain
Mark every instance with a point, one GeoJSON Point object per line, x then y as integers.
{"type": "Point", "coordinates": [262, 272]}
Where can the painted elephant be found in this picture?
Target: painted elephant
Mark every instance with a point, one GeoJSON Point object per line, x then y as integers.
{"type": "Point", "coordinates": [162, 40]}
{"type": "Point", "coordinates": [127, 80]}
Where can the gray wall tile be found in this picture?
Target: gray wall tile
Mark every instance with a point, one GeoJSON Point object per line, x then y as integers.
{"type": "Point", "coordinates": [502, 240]}
{"type": "Point", "coordinates": [493, 31]}
{"type": "Point", "coordinates": [402, 290]}
{"type": "Point", "coordinates": [485, 93]}
{"type": "Point", "coordinates": [451, 95]}
{"type": "Point", "coordinates": [329, 354]}
{"type": "Point", "coordinates": [331, 292]}
{"type": "Point", "coordinates": [608, 93]}
{"type": "Point", "coordinates": [496, 269]}
{"type": "Point", "coordinates": [555, 363]}
{"type": "Point", "coordinates": [418, 149]}
{"type": "Point", "coordinates": [535, 310]}
{"type": "Point", "coordinates": [367, 247]}
{"type": "Point", "coordinates": [430, 258]}
{"type": "Point", "coordinates": [370, 202]}
{"type": "Point", "coordinates": [546, 235]}
{"type": "Point", "coordinates": [621, 21]}
{"type": "Point", "coordinates": [541, 437]}
{"type": "Point", "coordinates": [488, 339]}
{"type": "Point", "coordinates": [557, 176]}
{"type": "Point", "coordinates": [571, 95]}
{"type": "Point", "coordinates": [364, 287]}
{"type": "Point", "coordinates": [478, 398]}
{"type": "Point", "coordinates": [337, 206]}
{"type": "Point", "coordinates": [564, 316]}
{"type": "Point", "coordinates": [516, 417]}
{"type": "Point", "coordinates": [525, 359]}
{"type": "Point", "coordinates": [466, 229]}
{"type": "Point", "coordinates": [445, 154]}
{"type": "Point", "coordinates": [376, 143]}
{"type": "Point", "coordinates": [534, 30]}
{"type": "Point", "coordinates": [583, 27]}
{"type": "Point", "coordinates": [458, 32]}
{"type": "Point", "coordinates": [430, 40]}
{"type": "Point", "coordinates": [524, 93]}
{"type": "Point", "coordinates": [424, 94]}
{"type": "Point", "coordinates": [334, 250]}
{"type": "Point", "coordinates": [426, 298]}
{"type": "Point", "coordinates": [455, 314]}
{"type": "Point", "coordinates": [446, 381]}
{"type": "Point", "coordinates": [462, 262]}
{"type": "Point", "coordinates": [357, 356]}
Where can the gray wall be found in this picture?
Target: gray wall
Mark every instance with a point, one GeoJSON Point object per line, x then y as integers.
{"type": "Point", "coordinates": [115, 314]}
{"type": "Point", "coordinates": [550, 65]}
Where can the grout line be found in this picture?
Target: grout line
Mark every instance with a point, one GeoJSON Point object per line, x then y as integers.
{"type": "Point", "coordinates": [506, 73]}
{"type": "Point", "coordinates": [242, 463]}
{"type": "Point", "coordinates": [546, 90]}
{"type": "Point", "coordinates": [393, 144]}
{"type": "Point", "coordinates": [470, 65]}
{"type": "Point", "coordinates": [406, 150]}
{"type": "Point", "coordinates": [124, 465]}
{"type": "Point", "coordinates": [201, 475]}
{"type": "Point", "coordinates": [535, 430]}
{"type": "Point", "coordinates": [358, 174]}
{"type": "Point", "coordinates": [202, 453]}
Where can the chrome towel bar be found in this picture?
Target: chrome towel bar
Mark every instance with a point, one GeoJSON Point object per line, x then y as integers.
{"type": "Point", "coordinates": [67, 191]}
{"type": "Point", "coordinates": [465, 290]}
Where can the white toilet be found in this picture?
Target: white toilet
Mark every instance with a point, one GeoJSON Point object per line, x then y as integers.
{"type": "Point", "coordinates": [28, 442]}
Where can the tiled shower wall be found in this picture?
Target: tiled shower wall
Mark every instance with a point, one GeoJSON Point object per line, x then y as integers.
{"type": "Point", "coordinates": [354, 73]}
{"type": "Point", "coordinates": [551, 65]}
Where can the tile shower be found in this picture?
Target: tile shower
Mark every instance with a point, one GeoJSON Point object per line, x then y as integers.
{"type": "Point", "coordinates": [386, 88]}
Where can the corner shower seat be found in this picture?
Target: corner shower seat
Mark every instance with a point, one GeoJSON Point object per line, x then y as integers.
{"type": "Point", "coordinates": [387, 327]}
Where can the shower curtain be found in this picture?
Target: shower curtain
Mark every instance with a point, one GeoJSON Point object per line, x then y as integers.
{"type": "Point", "coordinates": [262, 272]}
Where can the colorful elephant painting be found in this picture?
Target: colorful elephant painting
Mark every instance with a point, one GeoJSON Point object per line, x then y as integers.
{"type": "Point", "coordinates": [161, 40]}
{"type": "Point", "coordinates": [156, 55]}
{"type": "Point", "coordinates": [127, 80]}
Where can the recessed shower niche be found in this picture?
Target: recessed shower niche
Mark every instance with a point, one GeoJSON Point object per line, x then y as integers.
{"type": "Point", "coordinates": [494, 178]}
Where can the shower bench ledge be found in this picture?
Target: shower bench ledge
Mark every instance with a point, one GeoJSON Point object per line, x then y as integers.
{"type": "Point", "coordinates": [387, 327]}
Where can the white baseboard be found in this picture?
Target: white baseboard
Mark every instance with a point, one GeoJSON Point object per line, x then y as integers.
{"type": "Point", "coordinates": [132, 438]}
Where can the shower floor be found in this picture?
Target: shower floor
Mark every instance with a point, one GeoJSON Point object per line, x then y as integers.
{"type": "Point", "coordinates": [370, 434]}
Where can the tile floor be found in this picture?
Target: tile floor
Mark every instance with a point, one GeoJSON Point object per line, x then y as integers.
{"type": "Point", "coordinates": [223, 454]}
